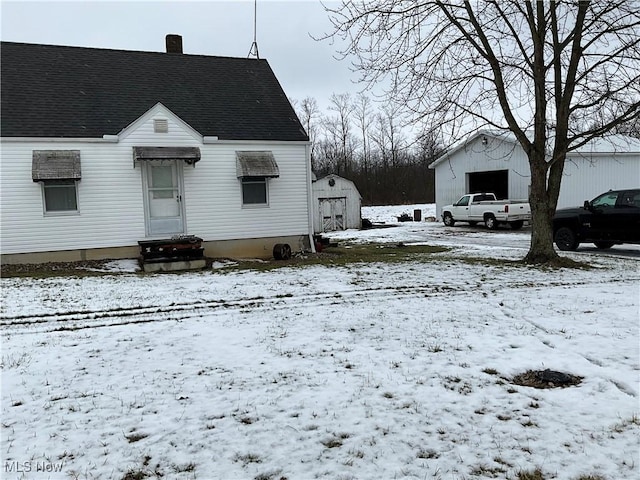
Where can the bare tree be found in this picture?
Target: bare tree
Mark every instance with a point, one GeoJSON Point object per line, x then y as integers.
{"type": "Point", "coordinates": [541, 70]}
{"type": "Point", "coordinates": [309, 114]}
{"type": "Point", "coordinates": [339, 129]}
{"type": "Point", "coordinates": [364, 118]}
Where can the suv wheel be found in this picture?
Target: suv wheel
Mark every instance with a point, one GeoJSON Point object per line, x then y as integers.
{"type": "Point", "coordinates": [566, 239]}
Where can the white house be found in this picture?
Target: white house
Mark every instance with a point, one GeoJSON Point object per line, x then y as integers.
{"type": "Point", "coordinates": [336, 204]}
{"type": "Point", "coordinates": [495, 162]}
{"type": "Point", "coordinates": [103, 148]}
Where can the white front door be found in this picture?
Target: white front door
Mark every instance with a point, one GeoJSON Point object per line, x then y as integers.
{"type": "Point", "coordinates": [164, 210]}
{"type": "Point", "coordinates": [332, 213]}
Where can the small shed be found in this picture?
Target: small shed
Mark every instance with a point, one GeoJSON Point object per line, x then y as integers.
{"type": "Point", "coordinates": [336, 204]}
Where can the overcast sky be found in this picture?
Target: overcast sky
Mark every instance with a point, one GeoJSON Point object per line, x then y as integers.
{"type": "Point", "coordinates": [305, 67]}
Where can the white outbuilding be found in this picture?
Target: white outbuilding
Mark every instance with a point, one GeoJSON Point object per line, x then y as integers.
{"type": "Point", "coordinates": [495, 162]}
{"type": "Point", "coordinates": [336, 204]}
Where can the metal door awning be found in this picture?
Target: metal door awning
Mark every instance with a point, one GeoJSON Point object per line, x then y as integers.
{"type": "Point", "coordinates": [190, 155]}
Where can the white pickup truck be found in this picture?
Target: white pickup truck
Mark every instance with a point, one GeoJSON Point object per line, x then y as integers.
{"type": "Point", "coordinates": [483, 207]}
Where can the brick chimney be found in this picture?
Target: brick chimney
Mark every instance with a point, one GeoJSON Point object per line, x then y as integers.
{"type": "Point", "coordinates": [174, 43]}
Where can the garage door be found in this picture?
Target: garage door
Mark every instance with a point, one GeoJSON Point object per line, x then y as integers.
{"type": "Point", "coordinates": [495, 181]}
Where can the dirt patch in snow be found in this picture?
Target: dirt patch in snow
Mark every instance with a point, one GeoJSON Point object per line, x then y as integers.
{"type": "Point", "coordinates": [546, 379]}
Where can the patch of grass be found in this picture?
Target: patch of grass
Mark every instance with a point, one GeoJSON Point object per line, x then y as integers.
{"type": "Point", "coordinates": [135, 475]}
{"type": "Point", "coordinates": [501, 461]}
{"type": "Point", "coordinates": [427, 453]}
{"type": "Point", "coordinates": [487, 472]}
{"type": "Point", "coordinates": [332, 443]}
{"type": "Point", "coordinates": [590, 477]}
{"type": "Point", "coordinates": [135, 437]}
{"type": "Point", "coordinates": [247, 458]}
{"type": "Point", "coordinates": [346, 255]}
{"type": "Point", "coordinates": [336, 440]}
{"type": "Point", "coordinates": [273, 475]}
{"type": "Point", "coordinates": [530, 475]}
{"type": "Point", "coordinates": [14, 361]}
{"type": "Point", "coordinates": [490, 371]}
{"type": "Point", "coordinates": [187, 467]}
{"type": "Point", "coordinates": [335, 256]}
{"type": "Point", "coordinates": [620, 427]}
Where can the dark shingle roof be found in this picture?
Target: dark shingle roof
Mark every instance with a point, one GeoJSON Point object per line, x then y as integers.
{"type": "Point", "coordinates": [56, 91]}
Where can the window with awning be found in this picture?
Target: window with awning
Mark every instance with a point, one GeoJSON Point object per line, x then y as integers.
{"type": "Point", "coordinates": [58, 171]}
{"type": "Point", "coordinates": [256, 164]}
{"type": "Point", "coordinates": [190, 155]}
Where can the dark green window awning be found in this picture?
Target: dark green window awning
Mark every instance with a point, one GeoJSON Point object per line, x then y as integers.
{"type": "Point", "coordinates": [190, 155]}
{"type": "Point", "coordinates": [55, 165]}
{"type": "Point", "coordinates": [256, 164]}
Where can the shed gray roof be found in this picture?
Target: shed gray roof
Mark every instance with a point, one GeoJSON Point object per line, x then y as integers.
{"type": "Point", "coordinates": [73, 92]}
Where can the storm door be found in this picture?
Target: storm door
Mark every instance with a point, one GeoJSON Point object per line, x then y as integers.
{"type": "Point", "coordinates": [164, 211]}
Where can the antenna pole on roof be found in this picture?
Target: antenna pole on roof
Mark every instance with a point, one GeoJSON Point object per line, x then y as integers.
{"type": "Point", "coordinates": [253, 51]}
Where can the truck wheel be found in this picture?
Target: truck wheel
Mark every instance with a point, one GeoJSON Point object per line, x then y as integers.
{"type": "Point", "coordinates": [603, 245]}
{"type": "Point", "coordinates": [517, 225]}
{"type": "Point", "coordinates": [448, 220]}
{"type": "Point", "coordinates": [491, 222]}
{"type": "Point", "coordinates": [566, 239]}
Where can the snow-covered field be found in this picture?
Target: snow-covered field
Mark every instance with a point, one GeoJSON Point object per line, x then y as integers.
{"type": "Point", "coordinates": [367, 371]}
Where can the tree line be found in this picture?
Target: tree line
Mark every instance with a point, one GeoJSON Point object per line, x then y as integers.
{"type": "Point", "coordinates": [371, 146]}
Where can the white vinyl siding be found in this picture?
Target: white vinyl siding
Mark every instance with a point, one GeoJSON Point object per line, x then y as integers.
{"type": "Point", "coordinates": [111, 192]}
{"type": "Point", "coordinates": [213, 195]}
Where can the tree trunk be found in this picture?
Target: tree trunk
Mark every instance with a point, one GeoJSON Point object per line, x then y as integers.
{"type": "Point", "coordinates": [541, 250]}
{"type": "Point", "coordinates": [543, 200]}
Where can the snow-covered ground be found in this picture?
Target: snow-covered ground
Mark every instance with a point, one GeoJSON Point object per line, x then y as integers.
{"type": "Point", "coordinates": [365, 371]}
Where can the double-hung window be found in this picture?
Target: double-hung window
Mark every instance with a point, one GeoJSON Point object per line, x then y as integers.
{"type": "Point", "coordinates": [254, 191]}
{"type": "Point", "coordinates": [60, 196]}
{"type": "Point", "coordinates": [254, 169]}
{"type": "Point", "coordinates": [58, 171]}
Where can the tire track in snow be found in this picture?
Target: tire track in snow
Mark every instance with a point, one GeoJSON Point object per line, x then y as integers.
{"type": "Point", "coordinates": [78, 320]}
{"type": "Point", "coordinates": [68, 321]}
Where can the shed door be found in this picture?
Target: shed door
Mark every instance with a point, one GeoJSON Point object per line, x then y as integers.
{"type": "Point", "coordinates": [163, 209]}
{"type": "Point", "coordinates": [333, 213]}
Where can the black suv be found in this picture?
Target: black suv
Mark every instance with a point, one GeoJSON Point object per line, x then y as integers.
{"type": "Point", "coordinates": [609, 219]}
